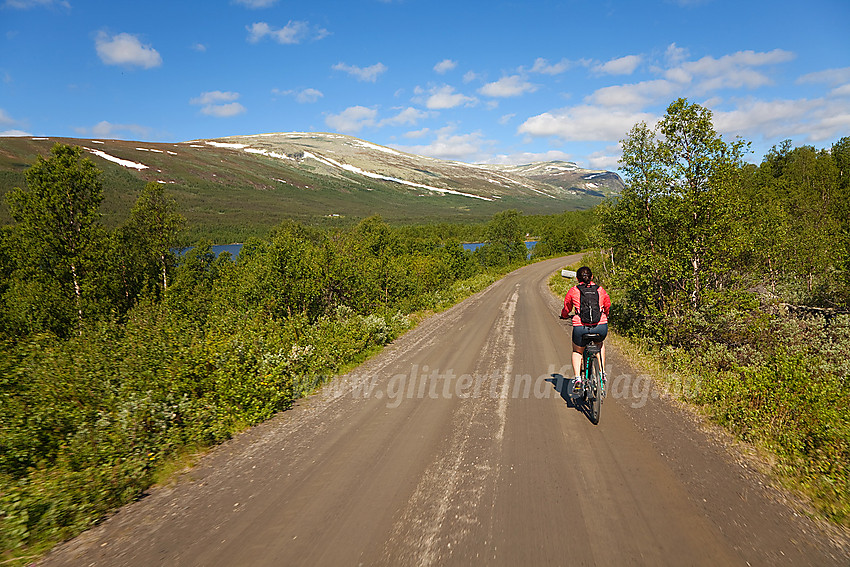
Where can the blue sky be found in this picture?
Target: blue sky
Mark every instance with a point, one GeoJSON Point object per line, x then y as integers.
{"type": "Point", "coordinates": [474, 81]}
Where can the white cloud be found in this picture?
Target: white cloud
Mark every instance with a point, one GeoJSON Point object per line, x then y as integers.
{"type": "Point", "coordinates": [445, 97]}
{"type": "Point", "coordinates": [214, 97]}
{"type": "Point", "coordinates": [8, 121]}
{"type": "Point", "coordinates": [308, 95]}
{"type": "Point", "coordinates": [303, 96]}
{"type": "Point", "coordinates": [223, 110]}
{"type": "Point", "coordinates": [105, 129]}
{"type": "Point", "coordinates": [352, 119]}
{"type": "Point", "coordinates": [445, 66]}
{"type": "Point", "coordinates": [367, 74]}
{"type": "Point", "coordinates": [828, 76]}
{"type": "Point", "coordinates": [199, 47]}
{"type": "Point", "coordinates": [506, 118]}
{"type": "Point", "coordinates": [608, 159]}
{"type": "Point", "coordinates": [5, 119]}
{"type": "Point", "coordinates": [355, 118]}
{"type": "Point", "coordinates": [730, 71]}
{"type": "Point", "coordinates": [621, 66]}
{"type": "Point", "coordinates": [255, 4]}
{"type": "Point", "coordinates": [523, 158]}
{"type": "Point", "coordinates": [542, 66]}
{"type": "Point", "coordinates": [126, 49]}
{"type": "Point", "coordinates": [843, 90]}
{"type": "Point", "coordinates": [470, 76]}
{"type": "Point", "coordinates": [14, 134]}
{"type": "Point", "coordinates": [417, 133]}
{"type": "Point", "coordinates": [27, 4]}
{"type": "Point", "coordinates": [688, 3]}
{"type": "Point", "coordinates": [675, 54]}
{"type": "Point", "coordinates": [448, 145]}
{"type": "Point", "coordinates": [219, 104]}
{"type": "Point", "coordinates": [678, 75]}
{"type": "Point", "coordinates": [511, 86]}
{"type": "Point", "coordinates": [636, 95]}
{"type": "Point", "coordinates": [815, 120]}
{"type": "Point", "coordinates": [585, 122]}
{"type": "Point", "coordinates": [406, 117]}
{"type": "Point", "coordinates": [293, 32]}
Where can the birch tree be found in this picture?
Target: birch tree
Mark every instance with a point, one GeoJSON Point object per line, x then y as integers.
{"type": "Point", "coordinates": [58, 220]}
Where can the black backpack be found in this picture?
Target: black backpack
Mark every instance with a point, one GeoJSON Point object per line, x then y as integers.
{"type": "Point", "coordinates": [589, 310]}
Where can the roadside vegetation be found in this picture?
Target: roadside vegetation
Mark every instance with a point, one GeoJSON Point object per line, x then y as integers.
{"type": "Point", "coordinates": [736, 278]}
{"type": "Point", "coordinates": [120, 359]}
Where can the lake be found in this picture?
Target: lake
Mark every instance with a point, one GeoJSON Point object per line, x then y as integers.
{"type": "Point", "coordinates": [235, 248]}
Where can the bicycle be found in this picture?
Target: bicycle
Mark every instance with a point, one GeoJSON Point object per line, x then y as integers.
{"type": "Point", "coordinates": [592, 380]}
{"type": "Point", "coordinates": [592, 384]}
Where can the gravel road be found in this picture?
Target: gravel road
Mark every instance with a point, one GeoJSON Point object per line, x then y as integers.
{"type": "Point", "coordinates": [455, 446]}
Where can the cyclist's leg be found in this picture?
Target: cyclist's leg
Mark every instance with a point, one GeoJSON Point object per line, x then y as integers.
{"type": "Point", "coordinates": [578, 348]}
{"type": "Point", "coordinates": [577, 354]}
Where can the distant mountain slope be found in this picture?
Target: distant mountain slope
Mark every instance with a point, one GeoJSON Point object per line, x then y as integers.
{"type": "Point", "coordinates": [259, 180]}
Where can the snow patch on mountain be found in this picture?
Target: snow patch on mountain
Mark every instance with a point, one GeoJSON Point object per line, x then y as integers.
{"type": "Point", "coordinates": [226, 145]}
{"type": "Point", "coordinates": [365, 173]}
{"type": "Point", "coordinates": [376, 147]}
{"type": "Point", "coordinates": [123, 162]}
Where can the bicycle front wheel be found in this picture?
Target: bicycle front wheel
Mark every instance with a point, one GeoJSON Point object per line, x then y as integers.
{"type": "Point", "coordinates": [595, 387]}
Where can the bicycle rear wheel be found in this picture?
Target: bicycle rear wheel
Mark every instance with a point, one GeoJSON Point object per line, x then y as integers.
{"type": "Point", "coordinates": [594, 385]}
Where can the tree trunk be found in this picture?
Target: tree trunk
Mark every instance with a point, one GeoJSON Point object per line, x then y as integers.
{"type": "Point", "coordinates": [164, 278]}
{"type": "Point", "coordinates": [78, 296]}
{"type": "Point", "coordinates": [695, 293]}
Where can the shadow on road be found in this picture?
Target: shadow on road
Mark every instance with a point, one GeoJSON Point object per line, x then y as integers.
{"type": "Point", "coordinates": [563, 386]}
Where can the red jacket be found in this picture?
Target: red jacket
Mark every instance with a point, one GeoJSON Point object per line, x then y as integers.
{"type": "Point", "coordinates": [573, 298]}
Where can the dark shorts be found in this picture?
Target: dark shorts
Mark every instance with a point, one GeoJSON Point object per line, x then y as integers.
{"type": "Point", "coordinates": [579, 331]}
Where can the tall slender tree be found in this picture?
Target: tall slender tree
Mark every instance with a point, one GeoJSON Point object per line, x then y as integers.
{"type": "Point", "coordinates": [58, 218]}
{"type": "Point", "coordinates": [153, 227]}
{"type": "Point", "coordinates": [675, 225]}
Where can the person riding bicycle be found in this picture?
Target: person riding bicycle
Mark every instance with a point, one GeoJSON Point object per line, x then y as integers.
{"type": "Point", "coordinates": [588, 318]}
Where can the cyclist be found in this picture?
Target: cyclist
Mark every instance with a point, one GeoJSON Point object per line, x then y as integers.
{"type": "Point", "coordinates": [581, 328]}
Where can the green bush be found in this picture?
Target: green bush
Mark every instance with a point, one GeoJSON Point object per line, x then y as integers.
{"type": "Point", "coordinates": [88, 420]}
{"type": "Point", "coordinates": [783, 386]}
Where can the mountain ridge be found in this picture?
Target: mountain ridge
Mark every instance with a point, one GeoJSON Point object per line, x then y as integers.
{"type": "Point", "coordinates": [265, 178]}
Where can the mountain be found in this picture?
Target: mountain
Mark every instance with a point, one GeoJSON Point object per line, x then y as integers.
{"type": "Point", "coordinates": [260, 180]}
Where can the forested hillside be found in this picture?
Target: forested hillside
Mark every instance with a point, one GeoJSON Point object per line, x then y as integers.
{"type": "Point", "coordinates": [738, 276]}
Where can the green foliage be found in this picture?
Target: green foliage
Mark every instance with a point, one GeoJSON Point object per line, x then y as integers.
{"type": "Point", "coordinates": [676, 229]}
{"type": "Point", "coordinates": [565, 233]}
{"type": "Point", "coordinates": [703, 253]}
{"type": "Point", "coordinates": [174, 356]}
{"type": "Point", "coordinates": [57, 232]}
{"type": "Point", "coordinates": [799, 201]}
{"type": "Point", "coordinates": [151, 234]}
{"type": "Point", "coordinates": [785, 388]}
{"type": "Point", "coordinates": [505, 240]}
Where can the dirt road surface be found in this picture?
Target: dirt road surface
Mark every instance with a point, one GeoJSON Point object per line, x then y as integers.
{"type": "Point", "coordinates": [455, 446]}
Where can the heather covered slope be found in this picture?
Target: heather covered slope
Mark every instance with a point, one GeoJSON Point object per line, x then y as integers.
{"type": "Point", "coordinates": [247, 183]}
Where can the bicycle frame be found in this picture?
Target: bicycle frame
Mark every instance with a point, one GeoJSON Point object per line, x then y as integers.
{"type": "Point", "coordinates": [591, 376]}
